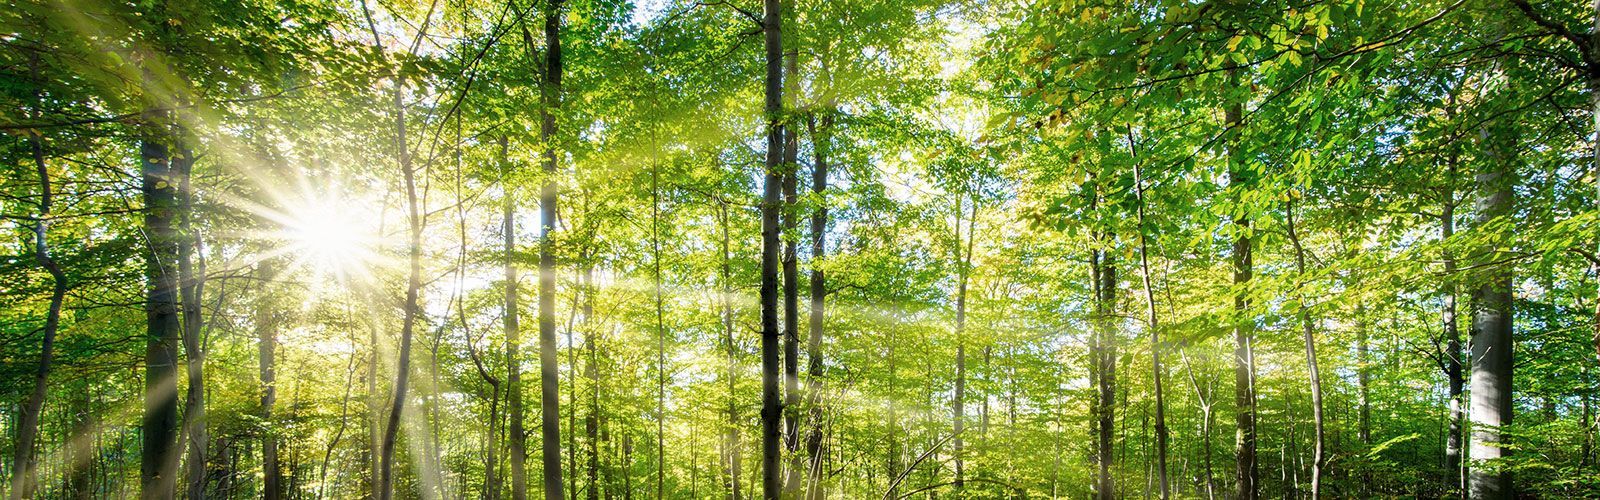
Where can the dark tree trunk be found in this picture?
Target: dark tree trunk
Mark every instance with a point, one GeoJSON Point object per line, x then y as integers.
{"type": "Point", "coordinates": [591, 421]}
{"type": "Point", "coordinates": [819, 291]}
{"type": "Point", "coordinates": [1155, 331]}
{"type": "Point", "coordinates": [1103, 282]}
{"type": "Point", "coordinates": [1246, 472]}
{"type": "Point", "coordinates": [517, 436]}
{"type": "Point", "coordinates": [771, 399]}
{"type": "Point", "coordinates": [549, 381]}
{"type": "Point", "coordinates": [1492, 323]}
{"type": "Point", "coordinates": [159, 458]}
{"type": "Point", "coordinates": [266, 346]}
{"type": "Point", "coordinates": [23, 480]}
{"type": "Point", "coordinates": [731, 441]}
{"type": "Point", "coordinates": [661, 332]}
{"type": "Point", "coordinates": [191, 288]}
{"type": "Point", "coordinates": [791, 287]}
{"type": "Point", "coordinates": [1453, 355]}
{"type": "Point", "coordinates": [402, 375]}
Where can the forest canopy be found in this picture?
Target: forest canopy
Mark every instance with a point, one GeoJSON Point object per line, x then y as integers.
{"type": "Point", "coordinates": [799, 249]}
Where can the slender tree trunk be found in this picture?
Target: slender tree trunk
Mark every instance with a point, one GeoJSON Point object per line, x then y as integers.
{"type": "Point", "coordinates": [894, 416]}
{"type": "Point", "coordinates": [771, 402]}
{"type": "Point", "coordinates": [1363, 389]}
{"type": "Point", "coordinates": [159, 458]}
{"type": "Point", "coordinates": [549, 381]}
{"type": "Point", "coordinates": [23, 477]}
{"type": "Point", "coordinates": [1247, 472]}
{"type": "Point", "coordinates": [791, 287]}
{"type": "Point", "coordinates": [518, 436]}
{"type": "Point", "coordinates": [1155, 330]}
{"type": "Point", "coordinates": [191, 288]}
{"type": "Point", "coordinates": [1308, 333]}
{"type": "Point", "coordinates": [963, 261]}
{"type": "Point", "coordinates": [1453, 355]}
{"type": "Point", "coordinates": [732, 439]}
{"type": "Point", "coordinates": [819, 291]}
{"type": "Point", "coordinates": [414, 222]}
{"type": "Point", "coordinates": [661, 332]}
{"type": "Point", "coordinates": [1103, 277]}
{"type": "Point", "coordinates": [1594, 155]}
{"type": "Point", "coordinates": [266, 346]}
{"type": "Point", "coordinates": [1204, 398]}
{"type": "Point", "coordinates": [1492, 324]}
{"type": "Point", "coordinates": [591, 339]}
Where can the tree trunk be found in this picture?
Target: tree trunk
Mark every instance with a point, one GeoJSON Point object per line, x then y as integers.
{"type": "Point", "coordinates": [1155, 331]}
{"type": "Point", "coordinates": [191, 288]}
{"type": "Point", "coordinates": [1308, 334]}
{"type": "Point", "coordinates": [819, 291]}
{"type": "Point", "coordinates": [1103, 282]}
{"type": "Point", "coordinates": [771, 403]}
{"type": "Point", "coordinates": [159, 458]}
{"type": "Point", "coordinates": [591, 422]}
{"type": "Point", "coordinates": [23, 480]}
{"type": "Point", "coordinates": [402, 376]}
{"type": "Point", "coordinates": [1246, 471]}
{"type": "Point", "coordinates": [266, 330]}
{"type": "Point", "coordinates": [791, 287]}
{"type": "Point", "coordinates": [1492, 324]}
{"type": "Point", "coordinates": [549, 381]}
{"type": "Point", "coordinates": [963, 260]}
{"type": "Point", "coordinates": [732, 438]}
{"type": "Point", "coordinates": [1452, 355]}
{"type": "Point", "coordinates": [517, 436]}
{"type": "Point", "coordinates": [661, 332]}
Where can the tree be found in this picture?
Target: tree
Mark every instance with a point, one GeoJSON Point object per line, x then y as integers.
{"type": "Point", "coordinates": [771, 406]}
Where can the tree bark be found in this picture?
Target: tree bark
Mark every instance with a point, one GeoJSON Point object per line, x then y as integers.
{"type": "Point", "coordinates": [1103, 277]}
{"type": "Point", "coordinates": [591, 421]}
{"type": "Point", "coordinates": [1155, 330]}
{"type": "Point", "coordinates": [771, 403]}
{"type": "Point", "coordinates": [1308, 334]}
{"type": "Point", "coordinates": [1246, 471]}
{"type": "Point", "coordinates": [1492, 324]}
{"type": "Point", "coordinates": [159, 458]}
{"type": "Point", "coordinates": [963, 261]}
{"type": "Point", "coordinates": [731, 440]}
{"type": "Point", "coordinates": [517, 435]}
{"type": "Point", "coordinates": [191, 288]}
{"type": "Point", "coordinates": [819, 292]}
{"type": "Point", "coordinates": [791, 287]}
{"type": "Point", "coordinates": [266, 347]}
{"type": "Point", "coordinates": [661, 332]}
{"type": "Point", "coordinates": [1452, 355]}
{"type": "Point", "coordinates": [414, 222]}
{"type": "Point", "coordinates": [23, 480]}
{"type": "Point", "coordinates": [549, 381]}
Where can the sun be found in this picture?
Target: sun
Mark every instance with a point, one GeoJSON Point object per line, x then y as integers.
{"type": "Point", "coordinates": [327, 238]}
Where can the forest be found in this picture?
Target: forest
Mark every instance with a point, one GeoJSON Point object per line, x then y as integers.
{"type": "Point", "coordinates": [799, 249]}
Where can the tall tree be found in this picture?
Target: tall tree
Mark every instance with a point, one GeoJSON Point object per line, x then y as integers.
{"type": "Point", "coordinates": [518, 436]}
{"type": "Point", "coordinates": [414, 227]}
{"type": "Point", "coordinates": [1308, 335]}
{"type": "Point", "coordinates": [160, 427]}
{"type": "Point", "coordinates": [549, 380]}
{"type": "Point", "coordinates": [819, 292]}
{"type": "Point", "coordinates": [266, 324]}
{"type": "Point", "coordinates": [1152, 322]}
{"type": "Point", "coordinates": [1240, 180]}
{"type": "Point", "coordinates": [23, 480]}
{"type": "Point", "coordinates": [1492, 321]}
{"type": "Point", "coordinates": [771, 200]}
